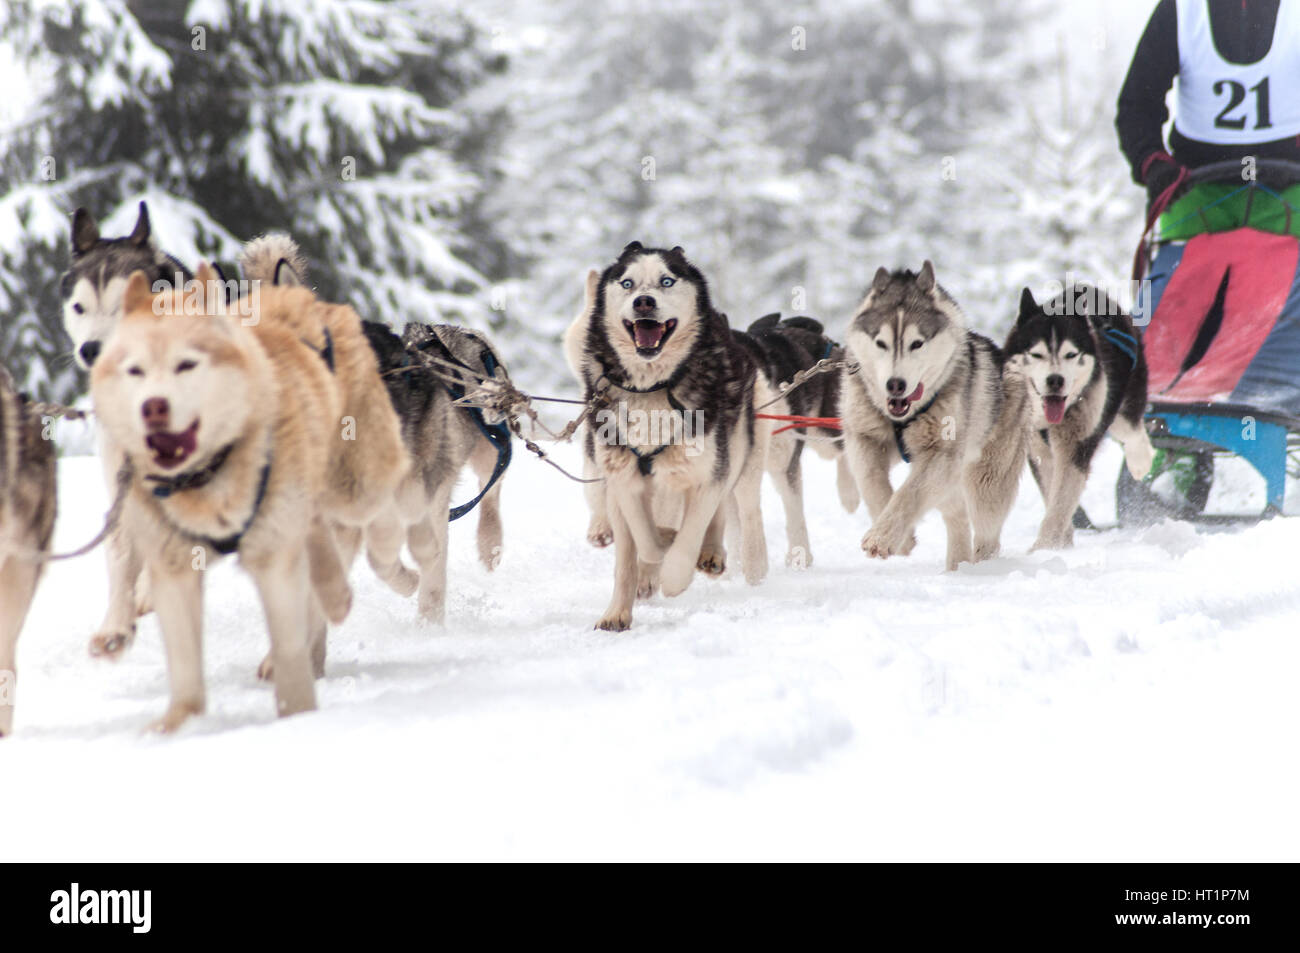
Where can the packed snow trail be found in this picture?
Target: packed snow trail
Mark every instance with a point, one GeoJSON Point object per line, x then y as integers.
{"type": "Point", "coordinates": [1131, 698]}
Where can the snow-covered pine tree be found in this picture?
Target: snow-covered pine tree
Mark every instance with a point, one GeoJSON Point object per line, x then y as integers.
{"type": "Point", "coordinates": [344, 122]}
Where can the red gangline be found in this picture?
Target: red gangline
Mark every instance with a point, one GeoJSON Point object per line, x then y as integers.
{"type": "Point", "coordinates": [830, 423]}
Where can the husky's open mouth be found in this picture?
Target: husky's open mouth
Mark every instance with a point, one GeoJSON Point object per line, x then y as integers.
{"type": "Point", "coordinates": [899, 406]}
{"type": "Point", "coordinates": [650, 336]}
{"type": "Point", "coordinates": [170, 450]}
{"type": "Point", "coordinates": [1054, 409]}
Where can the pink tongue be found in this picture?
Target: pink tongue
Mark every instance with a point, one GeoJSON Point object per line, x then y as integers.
{"type": "Point", "coordinates": [1054, 409]}
{"type": "Point", "coordinates": [916, 394]}
{"type": "Point", "coordinates": [648, 334]}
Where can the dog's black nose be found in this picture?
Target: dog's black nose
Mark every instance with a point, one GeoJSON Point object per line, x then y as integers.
{"type": "Point", "coordinates": [643, 304]}
{"type": "Point", "coordinates": [896, 386]}
{"type": "Point", "coordinates": [89, 351]}
{"type": "Point", "coordinates": [1055, 382]}
{"type": "Point", "coordinates": [156, 412]}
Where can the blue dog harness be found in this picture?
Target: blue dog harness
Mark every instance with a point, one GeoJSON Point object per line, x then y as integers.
{"type": "Point", "coordinates": [496, 434]}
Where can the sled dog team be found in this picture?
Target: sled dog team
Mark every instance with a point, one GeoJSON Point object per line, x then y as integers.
{"type": "Point", "coordinates": [301, 435]}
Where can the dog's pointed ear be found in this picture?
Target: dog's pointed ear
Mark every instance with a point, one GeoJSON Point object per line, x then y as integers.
{"type": "Point", "coordinates": [1027, 303]}
{"type": "Point", "coordinates": [881, 281]}
{"type": "Point", "coordinates": [286, 276]}
{"type": "Point", "coordinates": [925, 280]}
{"type": "Point", "coordinates": [85, 231]}
{"type": "Point", "coordinates": [138, 294]}
{"type": "Point", "coordinates": [631, 247]}
{"type": "Point", "coordinates": [140, 234]}
{"type": "Point", "coordinates": [678, 250]}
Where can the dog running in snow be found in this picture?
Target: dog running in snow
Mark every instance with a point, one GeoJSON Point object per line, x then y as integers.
{"type": "Point", "coordinates": [670, 359]}
{"type": "Point", "coordinates": [230, 429]}
{"type": "Point", "coordinates": [930, 391]}
{"type": "Point", "coordinates": [441, 440]}
{"type": "Point", "coordinates": [783, 348]}
{"type": "Point", "coordinates": [1085, 376]}
{"type": "Point", "coordinates": [27, 509]}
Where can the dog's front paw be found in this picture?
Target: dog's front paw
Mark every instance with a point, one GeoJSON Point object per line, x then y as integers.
{"type": "Point", "coordinates": [111, 645]}
{"type": "Point", "coordinates": [676, 572]}
{"type": "Point", "coordinates": [599, 533]}
{"type": "Point", "coordinates": [712, 562]}
{"type": "Point", "coordinates": [881, 542]}
{"type": "Point", "coordinates": [266, 671]}
{"type": "Point", "coordinates": [616, 621]}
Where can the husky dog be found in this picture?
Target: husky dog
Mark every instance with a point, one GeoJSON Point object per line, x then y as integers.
{"type": "Point", "coordinates": [230, 428]}
{"type": "Point", "coordinates": [441, 440]}
{"type": "Point", "coordinates": [782, 349]}
{"type": "Point", "coordinates": [669, 357]}
{"type": "Point", "coordinates": [1085, 375]}
{"type": "Point", "coordinates": [931, 392]}
{"type": "Point", "coordinates": [92, 306]}
{"type": "Point", "coordinates": [97, 275]}
{"type": "Point", "coordinates": [27, 504]}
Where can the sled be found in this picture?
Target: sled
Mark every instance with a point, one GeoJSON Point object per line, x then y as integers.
{"type": "Point", "coordinates": [1219, 313]}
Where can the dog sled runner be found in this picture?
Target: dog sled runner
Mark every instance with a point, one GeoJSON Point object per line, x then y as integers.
{"type": "Point", "coordinates": [1219, 314]}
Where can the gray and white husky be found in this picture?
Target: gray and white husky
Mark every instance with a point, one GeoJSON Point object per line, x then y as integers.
{"type": "Point", "coordinates": [92, 290]}
{"type": "Point", "coordinates": [929, 391]}
{"type": "Point", "coordinates": [1085, 376]}
{"type": "Point", "coordinates": [667, 355]}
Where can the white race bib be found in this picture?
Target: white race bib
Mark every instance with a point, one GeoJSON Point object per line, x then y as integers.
{"type": "Point", "coordinates": [1233, 104]}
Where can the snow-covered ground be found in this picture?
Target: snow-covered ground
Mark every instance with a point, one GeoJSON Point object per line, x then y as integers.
{"type": "Point", "coordinates": [1133, 698]}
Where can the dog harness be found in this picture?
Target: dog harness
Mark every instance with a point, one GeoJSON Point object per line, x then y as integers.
{"type": "Point", "coordinates": [645, 461]}
{"type": "Point", "coordinates": [496, 434]}
{"type": "Point", "coordinates": [197, 479]}
{"type": "Point", "coordinates": [1125, 342]}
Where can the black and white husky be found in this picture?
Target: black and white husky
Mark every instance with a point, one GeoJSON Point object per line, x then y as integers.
{"type": "Point", "coordinates": [1085, 375]}
{"type": "Point", "coordinates": [92, 291]}
{"type": "Point", "coordinates": [783, 348]}
{"type": "Point", "coordinates": [96, 277]}
{"type": "Point", "coordinates": [929, 391]}
{"type": "Point", "coordinates": [682, 425]}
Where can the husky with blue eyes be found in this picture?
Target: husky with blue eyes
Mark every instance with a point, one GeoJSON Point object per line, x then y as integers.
{"type": "Point", "coordinates": [931, 392]}
{"type": "Point", "coordinates": [678, 434]}
{"type": "Point", "coordinates": [1086, 376]}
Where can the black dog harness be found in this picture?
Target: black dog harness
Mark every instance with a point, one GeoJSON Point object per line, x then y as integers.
{"type": "Point", "coordinates": [497, 434]}
{"type": "Point", "coordinates": [645, 461]}
{"type": "Point", "coordinates": [201, 477]}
